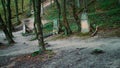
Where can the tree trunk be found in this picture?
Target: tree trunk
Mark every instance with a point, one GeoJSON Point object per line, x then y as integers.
{"type": "Point", "coordinates": [39, 25]}
{"type": "Point", "coordinates": [4, 9]}
{"type": "Point", "coordinates": [30, 6]}
{"type": "Point", "coordinates": [17, 13]}
{"type": "Point", "coordinates": [67, 27]}
{"type": "Point", "coordinates": [4, 28]}
{"type": "Point", "coordinates": [75, 15]}
{"type": "Point", "coordinates": [78, 3]}
{"type": "Point", "coordinates": [35, 28]}
{"type": "Point", "coordinates": [22, 6]}
{"type": "Point", "coordinates": [10, 26]}
{"type": "Point", "coordinates": [59, 14]}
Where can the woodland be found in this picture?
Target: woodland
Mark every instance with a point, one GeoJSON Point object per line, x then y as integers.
{"type": "Point", "coordinates": [59, 33]}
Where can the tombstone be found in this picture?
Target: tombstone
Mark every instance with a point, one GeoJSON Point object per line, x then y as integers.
{"type": "Point", "coordinates": [85, 27]}
{"type": "Point", "coordinates": [24, 28]}
{"type": "Point", "coordinates": [42, 9]}
{"type": "Point", "coordinates": [55, 26]}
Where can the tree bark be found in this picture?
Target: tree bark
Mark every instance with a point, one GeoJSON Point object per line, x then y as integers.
{"type": "Point", "coordinates": [39, 25]}
{"type": "Point", "coordinates": [59, 15]}
{"type": "Point", "coordinates": [22, 6]}
{"type": "Point", "coordinates": [6, 32]}
{"type": "Point", "coordinates": [17, 12]}
{"type": "Point", "coordinates": [76, 17]}
{"type": "Point", "coordinates": [10, 26]}
{"type": "Point", "coordinates": [4, 9]}
{"type": "Point", "coordinates": [35, 28]}
{"type": "Point", "coordinates": [66, 24]}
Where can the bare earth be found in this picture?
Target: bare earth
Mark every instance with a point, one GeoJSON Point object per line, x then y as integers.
{"type": "Point", "coordinates": [72, 52]}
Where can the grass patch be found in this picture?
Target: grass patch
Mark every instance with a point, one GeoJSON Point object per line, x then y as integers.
{"type": "Point", "coordinates": [47, 28]}
{"type": "Point", "coordinates": [97, 51]}
{"type": "Point", "coordinates": [48, 52]}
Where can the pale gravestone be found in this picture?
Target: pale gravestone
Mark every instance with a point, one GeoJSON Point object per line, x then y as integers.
{"type": "Point", "coordinates": [55, 26]}
{"type": "Point", "coordinates": [24, 28]}
{"type": "Point", "coordinates": [85, 27]}
{"type": "Point", "coordinates": [42, 9]}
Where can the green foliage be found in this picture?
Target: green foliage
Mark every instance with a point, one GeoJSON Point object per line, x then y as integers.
{"type": "Point", "coordinates": [22, 15]}
{"type": "Point", "coordinates": [35, 53]}
{"type": "Point", "coordinates": [73, 26]}
{"type": "Point", "coordinates": [51, 12]}
{"type": "Point", "coordinates": [106, 5]}
{"type": "Point", "coordinates": [27, 34]}
{"type": "Point", "coordinates": [50, 53]}
{"type": "Point", "coordinates": [48, 27]}
{"type": "Point", "coordinates": [97, 51]}
{"type": "Point", "coordinates": [107, 19]}
{"type": "Point", "coordinates": [34, 38]}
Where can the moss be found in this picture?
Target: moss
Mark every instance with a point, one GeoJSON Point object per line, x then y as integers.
{"type": "Point", "coordinates": [97, 51]}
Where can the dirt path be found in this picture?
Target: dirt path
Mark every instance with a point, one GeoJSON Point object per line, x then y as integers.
{"type": "Point", "coordinates": [72, 52]}
{"type": "Point", "coordinates": [30, 21]}
{"type": "Point", "coordinates": [23, 45]}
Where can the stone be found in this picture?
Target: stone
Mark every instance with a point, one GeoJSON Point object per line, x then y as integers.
{"type": "Point", "coordinates": [24, 28]}
{"type": "Point", "coordinates": [55, 26]}
{"type": "Point", "coordinates": [85, 27]}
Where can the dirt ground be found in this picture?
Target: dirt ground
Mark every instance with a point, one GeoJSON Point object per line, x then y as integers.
{"type": "Point", "coordinates": [71, 52]}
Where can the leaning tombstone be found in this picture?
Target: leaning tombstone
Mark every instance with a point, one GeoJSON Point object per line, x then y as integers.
{"type": "Point", "coordinates": [85, 27]}
{"type": "Point", "coordinates": [55, 26]}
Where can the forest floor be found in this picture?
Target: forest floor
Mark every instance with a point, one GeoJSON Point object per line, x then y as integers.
{"type": "Point", "coordinates": [70, 52]}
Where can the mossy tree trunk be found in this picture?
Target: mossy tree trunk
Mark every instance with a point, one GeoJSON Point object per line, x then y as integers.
{"type": "Point", "coordinates": [4, 9]}
{"type": "Point", "coordinates": [30, 7]}
{"type": "Point", "coordinates": [39, 25]}
{"type": "Point", "coordinates": [76, 17]}
{"type": "Point", "coordinates": [35, 28]}
{"type": "Point", "coordinates": [78, 3]}
{"type": "Point", "coordinates": [9, 22]}
{"type": "Point", "coordinates": [22, 5]}
{"type": "Point", "coordinates": [59, 15]}
{"type": "Point", "coordinates": [17, 12]}
{"type": "Point", "coordinates": [66, 24]}
{"type": "Point", "coordinates": [6, 32]}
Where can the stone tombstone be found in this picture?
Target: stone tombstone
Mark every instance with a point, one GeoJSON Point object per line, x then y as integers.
{"type": "Point", "coordinates": [55, 26]}
{"type": "Point", "coordinates": [24, 28]}
{"type": "Point", "coordinates": [85, 27]}
{"type": "Point", "coordinates": [42, 9]}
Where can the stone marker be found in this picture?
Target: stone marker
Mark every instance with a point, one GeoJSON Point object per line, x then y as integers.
{"type": "Point", "coordinates": [85, 28]}
{"type": "Point", "coordinates": [24, 28]}
{"type": "Point", "coordinates": [55, 26]}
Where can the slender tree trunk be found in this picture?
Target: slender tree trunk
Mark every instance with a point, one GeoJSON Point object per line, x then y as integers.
{"type": "Point", "coordinates": [17, 13]}
{"type": "Point", "coordinates": [22, 6]}
{"type": "Point", "coordinates": [78, 3]}
{"type": "Point", "coordinates": [30, 5]}
{"type": "Point", "coordinates": [51, 3]}
{"type": "Point", "coordinates": [4, 9]}
{"type": "Point", "coordinates": [67, 27]}
{"type": "Point", "coordinates": [9, 22]}
{"type": "Point", "coordinates": [35, 28]}
{"type": "Point", "coordinates": [75, 15]}
{"type": "Point", "coordinates": [39, 25]}
{"type": "Point", "coordinates": [59, 14]}
{"type": "Point", "coordinates": [4, 28]}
